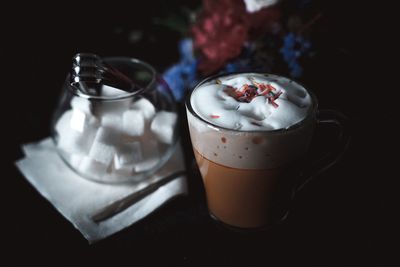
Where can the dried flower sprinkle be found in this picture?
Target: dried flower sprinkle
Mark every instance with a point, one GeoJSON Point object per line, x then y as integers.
{"type": "Point", "coordinates": [250, 91]}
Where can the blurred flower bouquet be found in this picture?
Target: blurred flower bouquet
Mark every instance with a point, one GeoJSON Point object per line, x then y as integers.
{"type": "Point", "coordinates": [243, 35]}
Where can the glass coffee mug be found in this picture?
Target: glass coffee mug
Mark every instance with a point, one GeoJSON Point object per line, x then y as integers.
{"type": "Point", "coordinates": [250, 176]}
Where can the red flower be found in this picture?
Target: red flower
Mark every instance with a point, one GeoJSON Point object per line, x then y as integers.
{"type": "Point", "coordinates": [223, 28]}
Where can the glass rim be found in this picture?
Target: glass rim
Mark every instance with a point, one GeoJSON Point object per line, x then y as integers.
{"type": "Point", "coordinates": [297, 125]}
{"type": "Point", "coordinates": [146, 65]}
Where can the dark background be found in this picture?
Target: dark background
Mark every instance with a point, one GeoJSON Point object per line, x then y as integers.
{"type": "Point", "coordinates": [348, 216]}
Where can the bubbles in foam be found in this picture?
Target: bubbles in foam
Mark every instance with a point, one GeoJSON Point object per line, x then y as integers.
{"type": "Point", "coordinates": [249, 102]}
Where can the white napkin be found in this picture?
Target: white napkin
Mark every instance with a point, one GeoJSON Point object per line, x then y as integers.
{"type": "Point", "coordinates": [78, 199]}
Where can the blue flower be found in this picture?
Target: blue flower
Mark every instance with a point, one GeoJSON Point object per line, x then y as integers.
{"type": "Point", "coordinates": [186, 50]}
{"type": "Point", "coordinates": [250, 60]}
{"type": "Point", "coordinates": [294, 47]}
{"type": "Point", "coordinates": [239, 65]}
{"type": "Point", "coordinates": [183, 75]}
{"type": "Point", "coordinates": [231, 67]}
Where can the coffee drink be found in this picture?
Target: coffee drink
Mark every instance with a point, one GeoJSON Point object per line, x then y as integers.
{"type": "Point", "coordinates": [248, 132]}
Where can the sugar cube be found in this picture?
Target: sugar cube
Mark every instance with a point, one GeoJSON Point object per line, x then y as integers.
{"type": "Point", "coordinates": [102, 153]}
{"type": "Point", "coordinates": [75, 142]}
{"type": "Point", "coordinates": [112, 120]}
{"type": "Point", "coordinates": [124, 171]}
{"type": "Point", "coordinates": [127, 153]}
{"type": "Point", "coordinates": [108, 135]}
{"type": "Point", "coordinates": [78, 120]}
{"type": "Point", "coordinates": [146, 107]}
{"type": "Point", "coordinates": [163, 126]}
{"type": "Point", "coordinates": [82, 104]}
{"type": "Point", "coordinates": [133, 123]}
{"type": "Point", "coordinates": [92, 168]}
{"type": "Point", "coordinates": [112, 106]}
{"type": "Point", "coordinates": [146, 165]}
{"type": "Point", "coordinates": [63, 122]}
{"type": "Point", "coordinates": [103, 147]}
{"type": "Point", "coordinates": [76, 131]}
{"type": "Point", "coordinates": [151, 155]}
{"type": "Point", "coordinates": [110, 91]}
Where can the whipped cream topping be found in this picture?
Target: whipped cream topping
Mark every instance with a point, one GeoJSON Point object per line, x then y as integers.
{"type": "Point", "coordinates": [251, 102]}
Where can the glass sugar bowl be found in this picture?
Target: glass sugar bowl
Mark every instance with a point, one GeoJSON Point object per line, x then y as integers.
{"type": "Point", "coordinates": [116, 120]}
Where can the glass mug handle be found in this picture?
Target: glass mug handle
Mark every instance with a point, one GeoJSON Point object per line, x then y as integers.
{"type": "Point", "coordinates": [322, 164]}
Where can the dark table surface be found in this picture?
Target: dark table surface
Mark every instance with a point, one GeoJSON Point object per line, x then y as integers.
{"type": "Point", "coordinates": [348, 216]}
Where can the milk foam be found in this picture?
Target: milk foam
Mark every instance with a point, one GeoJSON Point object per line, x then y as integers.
{"type": "Point", "coordinates": [214, 103]}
